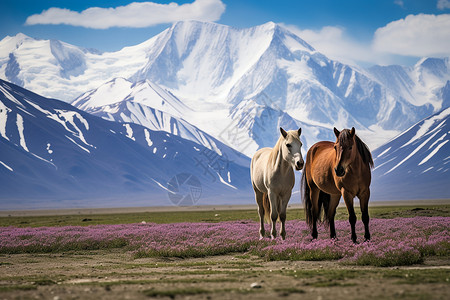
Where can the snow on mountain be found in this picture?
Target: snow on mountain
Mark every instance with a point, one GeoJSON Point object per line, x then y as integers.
{"type": "Point", "coordinates": [205, 60]}
{"type": "Point", "coordinates": [416, 164]}
{"type": "Point", "coordinates": [267, 65]}
{"type": "Point", "coordinates": [420, 85]}
{"type": "Point", "coordinates": [120, 89]}
{"type": "Point", "coordinates": [54, 155]}
{"type": "Point", "coordinates": [62, 71]}
{"type": "Point", "coordinates": [147, 104]}
{"type": "Point", "coordinates": [221, 74]}
{"type": "Point", "coordinates": [270, 63]}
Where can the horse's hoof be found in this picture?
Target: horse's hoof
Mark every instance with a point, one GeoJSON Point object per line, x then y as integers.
{"type": "Point", "coordinates": [366, 240]}
{"type": "Point", "coordinates": [261, 237]}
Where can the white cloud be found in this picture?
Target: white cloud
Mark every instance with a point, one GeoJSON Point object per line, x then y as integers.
{"type": "Point", "coordinates": [399, 3]}
{"type": "Point", "coordinates": [398, 42]}
{"type": "Point", "coordinates": [136, 15]}
{"type": "Point", "coordinates": [415, 35]}
{"type": "Point", "coordinates": [443, 4]}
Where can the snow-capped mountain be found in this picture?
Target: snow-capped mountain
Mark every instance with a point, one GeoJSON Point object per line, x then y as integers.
{"type": "Point", "coordinates": [226, 76]}
{"type": "Point", "coordinates": [422, 84]}
{"type": "Point", "coordinates": [416, 164]}
{"type": "Point", "coordinates": [62, 71]}
{"type": "Point", "coordinates": [54, 155]}
{"type": "Point", "coordinates": [209, 65]}
{"type": "Point", "coordinates": [149, 105]}
{"type": "Point", "coordinates": [121, 89]}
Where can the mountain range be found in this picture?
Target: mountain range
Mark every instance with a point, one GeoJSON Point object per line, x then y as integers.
{"type": "Point", "coordinates": [216, 89]}
{"type": "Point", "coordinates": [253, 80]}
{"type": "Point", "coordinates": [415, 165]}
{"type": "Point", "coordinates": [54, 155]}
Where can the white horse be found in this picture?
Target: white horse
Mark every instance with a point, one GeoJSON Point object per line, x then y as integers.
{"type": "Point", "coordinates": [273, 179]}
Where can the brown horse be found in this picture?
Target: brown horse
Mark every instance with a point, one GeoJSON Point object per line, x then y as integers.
{"type": "Point", "coordinates": [332, 170]}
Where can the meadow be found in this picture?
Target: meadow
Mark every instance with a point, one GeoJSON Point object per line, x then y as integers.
{"type": "Point", "coordinates": [218, 253]}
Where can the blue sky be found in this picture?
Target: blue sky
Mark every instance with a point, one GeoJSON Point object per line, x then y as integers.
{"type": "Point", "coordinates": [353, 31]}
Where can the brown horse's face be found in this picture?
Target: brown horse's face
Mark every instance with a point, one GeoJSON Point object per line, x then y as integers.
{"type": "Point", "coordinates": [343, 148]}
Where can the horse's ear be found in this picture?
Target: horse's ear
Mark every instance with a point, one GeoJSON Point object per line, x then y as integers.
{"type": "Point", "coordinates": [299, 131]}
{"type": "Point", "coordinates": [283, 132]}
{"type": "Point", "coordinates": [352, 131]}
{"type": "Point", "coordinates": [336, 132]}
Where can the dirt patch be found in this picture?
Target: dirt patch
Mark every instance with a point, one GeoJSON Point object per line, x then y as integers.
{"type": "Point", "coordinates": [115, 274]}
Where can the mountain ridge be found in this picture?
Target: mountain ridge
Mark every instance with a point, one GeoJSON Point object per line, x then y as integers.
{"type": "Point", "coordinates": [58, 156]}
{"type": "Point", "coordinates": [211, 67]}
{"type": "Point", "coordinates": [416, 163]}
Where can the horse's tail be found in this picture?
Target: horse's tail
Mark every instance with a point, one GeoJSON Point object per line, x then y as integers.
{"type": "Point", "coordinates": [324, 201]}
{"type": "Point", "coordinates": [306, 198]}
{"type": "Point", "coordinates": [266, 205]}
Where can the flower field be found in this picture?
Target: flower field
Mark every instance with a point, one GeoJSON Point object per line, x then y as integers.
{"type": "Point", "coordinates": [399, 241]}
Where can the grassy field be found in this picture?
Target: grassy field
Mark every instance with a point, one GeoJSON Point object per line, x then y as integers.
{"type": "Point", "coordinates": [217, 255]}
{"type": "Point", "coordinates": [382, 212]}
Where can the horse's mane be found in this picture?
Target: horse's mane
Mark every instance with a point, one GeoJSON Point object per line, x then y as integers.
{"type": "Point", "coordinates": [362, 147]}
{"type": "Point", "coordinates": [274, 152]}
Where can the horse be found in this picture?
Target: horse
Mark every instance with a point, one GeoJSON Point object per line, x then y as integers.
{"type": "Point", "coordinates": [333, 170]}
{"type": "Point", "coordinates": [273, 178]}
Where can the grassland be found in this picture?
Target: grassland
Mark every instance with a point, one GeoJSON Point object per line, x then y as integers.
{"type": "Point", "coordinates": [164, 217]}
{"type": "Point", "coordinates": [118, 273]}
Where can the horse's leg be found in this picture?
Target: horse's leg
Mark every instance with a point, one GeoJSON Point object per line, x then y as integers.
{"type": "Point", "coordinates": [273, 199]}
{"type": "Point", "coordinates": [284, 203]}
{"type": "Point", "coordinates": [315, 209]}
{"type": "Point", "coordinates": [364, 203]}
{"type": "Point", "coordinates": [348, 198]}
{"type": "Point", "coordinates": [259, 201]}
{"type": "Point", "coordinates": [334, 201]}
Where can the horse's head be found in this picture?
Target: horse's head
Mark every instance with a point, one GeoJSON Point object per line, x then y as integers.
{"type": "Point", "coordinates": [344, 149]}
{"type": "Point", "coordinates": [291, 147]}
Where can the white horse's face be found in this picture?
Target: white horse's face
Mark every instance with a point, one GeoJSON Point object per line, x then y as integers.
{"type": "Point", "coordinates": [292, 148]}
